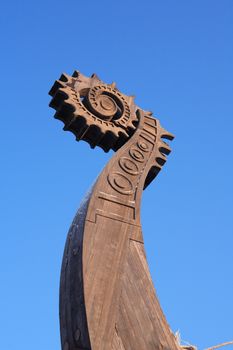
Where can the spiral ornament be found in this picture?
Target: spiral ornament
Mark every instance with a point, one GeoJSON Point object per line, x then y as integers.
{"type": "Point", "coordinates": [94, 111]}
{"type": "Point", "coordinates": [107, 298]}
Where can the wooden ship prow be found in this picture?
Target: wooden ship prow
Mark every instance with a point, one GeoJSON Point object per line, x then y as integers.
{"type": "Point", "coordinates": [107, 297]}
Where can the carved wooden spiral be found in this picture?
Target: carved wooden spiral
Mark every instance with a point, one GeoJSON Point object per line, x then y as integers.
{"type": "Point", "coordinates": [95, 112]}
{"type": "Point", "coordinates": [107, 298]}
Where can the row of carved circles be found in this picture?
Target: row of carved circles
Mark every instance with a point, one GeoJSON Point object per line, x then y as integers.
{"type": "Point", "coordinates": [120, 182]}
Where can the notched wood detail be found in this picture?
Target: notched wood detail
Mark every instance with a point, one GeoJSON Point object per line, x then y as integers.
{"type": "Point", "coordinates": [94, 111]}
{"type": "Point", "coordinates": [107, 298]}
{"type": "Point", "coordinates": [116, 208]}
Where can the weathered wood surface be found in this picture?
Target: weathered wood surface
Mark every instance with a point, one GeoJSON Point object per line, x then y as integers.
{"type": "Point", "coordinates": [107, 298]}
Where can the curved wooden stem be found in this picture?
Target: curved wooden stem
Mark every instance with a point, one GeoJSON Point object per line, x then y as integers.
{"type": "Point", "coordinates": [107, 298]}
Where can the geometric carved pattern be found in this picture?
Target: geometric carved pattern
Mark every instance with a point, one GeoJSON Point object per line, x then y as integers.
{"type": "Point", "coordinates": [128, 165]}
{"type": "Point", "coordinates": [94, 111]}
{"type": "Point", "coordinates": [120, 183]}
{"type": "Point", "coordinates": [107, 298]}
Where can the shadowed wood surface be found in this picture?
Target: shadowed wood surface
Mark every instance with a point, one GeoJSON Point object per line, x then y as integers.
{"type": "Point", "coordinates": [112, 299]}
{"type": "Point", "coordinates": [107, 298]}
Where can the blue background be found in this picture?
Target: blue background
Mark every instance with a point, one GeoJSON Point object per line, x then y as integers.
{"type": "Point", "coordinates": [176, 57]}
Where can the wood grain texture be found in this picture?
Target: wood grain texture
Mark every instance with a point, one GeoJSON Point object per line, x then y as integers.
{"type": "Point", "coordinates": [107, 298]}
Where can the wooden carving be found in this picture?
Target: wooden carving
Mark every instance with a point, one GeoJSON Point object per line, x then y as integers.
{"type": "Point", "coordinates": [107, 298]}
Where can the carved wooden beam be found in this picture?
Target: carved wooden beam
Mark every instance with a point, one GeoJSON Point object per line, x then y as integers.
{"type": "Point", "coordinates": [107, 298]}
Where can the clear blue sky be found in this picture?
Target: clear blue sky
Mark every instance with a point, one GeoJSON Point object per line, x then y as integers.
{"type": "Point", "coordinates": [176, 57]}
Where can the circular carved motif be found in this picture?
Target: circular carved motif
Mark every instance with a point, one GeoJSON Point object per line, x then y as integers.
{"type": "Point", "coordinates": [120, 183]}
{"type": "Point", "coordinates": [128, 166]}
{"type": "Point", "coordinates": [107, 103]}
{"type": "Point", "coordinates": [90, 109]}
{"type": "Point", "coordinates": [143, 146]}
{"type": "Point", "coordinates": [137, 155]}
